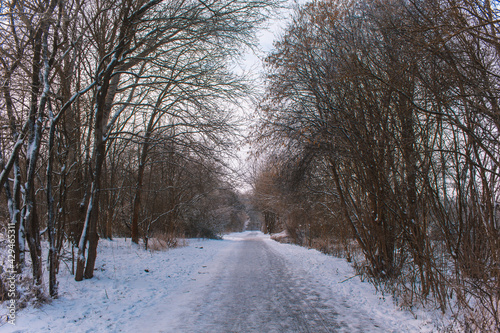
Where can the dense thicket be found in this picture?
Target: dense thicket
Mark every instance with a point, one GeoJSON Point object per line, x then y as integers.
{"type": "Point", "coordinates": [382, 122]}
{"type": "Point", "coordinates": [115, 119]}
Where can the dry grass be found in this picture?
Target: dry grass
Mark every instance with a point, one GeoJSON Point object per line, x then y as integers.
{"type": "Point", "coordinates": [161, 242]}
{"type": "Point", "coordinates": [282, 237]}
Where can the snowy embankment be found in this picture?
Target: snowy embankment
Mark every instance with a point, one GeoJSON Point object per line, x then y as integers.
{"type": "Point", "coordinates": [357, 296]}
{"type": "Point", "coordinates": [131, 284]}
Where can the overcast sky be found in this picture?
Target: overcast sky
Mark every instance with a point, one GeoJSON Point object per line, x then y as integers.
{"type": "Point", "coordinates": [252, 65]}
{"type": "Point", "coordinates": [267, 34]}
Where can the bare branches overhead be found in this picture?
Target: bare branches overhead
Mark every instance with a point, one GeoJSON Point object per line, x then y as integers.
{"type": "Point", "coordinates": [87, 84]}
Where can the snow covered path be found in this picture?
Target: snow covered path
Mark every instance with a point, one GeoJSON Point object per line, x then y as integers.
{"type": "Point", "coordinates": [245, 283]}
{"type": "Point", "coordinates": [250, 289]}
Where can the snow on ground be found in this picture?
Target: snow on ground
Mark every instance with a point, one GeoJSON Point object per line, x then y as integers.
{"type": "Point", "coordinates": [127, 283]}
{"type": "Point", "coordinates": [130, 284]}
{"type": "Point", "coordinates": [359, 296]}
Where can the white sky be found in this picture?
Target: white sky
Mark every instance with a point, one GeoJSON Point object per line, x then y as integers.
{"type": "Point", "coordinates": [252, 64]}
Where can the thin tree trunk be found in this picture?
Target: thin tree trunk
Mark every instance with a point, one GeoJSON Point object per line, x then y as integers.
{"type": "Point", "coordinates": [105, 96]}
{"type": "Point", "coordinates": [29, 215]}
{"type": "Point", "coordinates": [345, 209]}
{"type": "Point", "coordinates": [15, 204]}
{"type": "Point", "coordinates": [51, 216]}
{"type": "Point", "coordinates": [138, 187]}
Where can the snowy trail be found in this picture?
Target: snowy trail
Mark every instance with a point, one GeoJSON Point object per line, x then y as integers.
{"type": "Point", "coordinates": [252, 290]}
{"type": "Point", "coordinates": [253, 286]}
{"type": "Point", "coordinates": [245, 283]}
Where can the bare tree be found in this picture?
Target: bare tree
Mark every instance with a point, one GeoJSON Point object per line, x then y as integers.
{"type": "Point", "coordinates": [92, 71]}
{"type": "Point", "coordinates": [173, 25]}
{"type": "Point", "coordinates": [400, 100]}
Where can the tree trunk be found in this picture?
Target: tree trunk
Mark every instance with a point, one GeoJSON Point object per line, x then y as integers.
{"type": "Point", "coordinates": [15, 204]}
{"type": "Point", "coordinates": [104, 101]}
{"type": "Point", "coordinates": [138, 187]}
{"type": "Point", "coordinates": [30, 218]}
{"type": "Point", "coordinates": [53, 262]}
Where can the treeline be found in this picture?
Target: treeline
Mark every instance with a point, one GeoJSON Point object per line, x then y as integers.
{"type": "Point", "coordinates": [381, 123]}
{"type": "Point", "coordinates": [116, 116]}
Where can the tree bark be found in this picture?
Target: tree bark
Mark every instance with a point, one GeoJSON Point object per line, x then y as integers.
{"type": "Point", "coordinates": [15, 204]}
{"type": "Point", "coordinates": [30, 218]}
{"type": "Point", "coordinates": [104, 101]}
